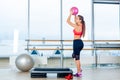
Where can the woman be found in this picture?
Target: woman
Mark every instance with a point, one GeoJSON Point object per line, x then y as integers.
{"type": "Point", "coordinates": [79, 31]}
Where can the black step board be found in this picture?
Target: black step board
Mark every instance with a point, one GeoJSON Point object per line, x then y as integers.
{"type": "Point", "coordinates": [42, 72]}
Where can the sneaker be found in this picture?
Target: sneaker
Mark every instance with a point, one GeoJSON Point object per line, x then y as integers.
{"type": "Point", "coordinates": [78, 75]}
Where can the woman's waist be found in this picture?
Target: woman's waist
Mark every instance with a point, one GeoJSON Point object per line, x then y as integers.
{"type": "Point", "coordinates": [77, 38]}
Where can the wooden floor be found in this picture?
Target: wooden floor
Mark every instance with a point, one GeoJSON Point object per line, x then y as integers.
{"type": "Point", "coordinates": [88, 74]}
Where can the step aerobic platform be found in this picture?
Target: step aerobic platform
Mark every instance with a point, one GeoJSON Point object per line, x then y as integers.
{"type": "Point", "coordinates": [42, 72]}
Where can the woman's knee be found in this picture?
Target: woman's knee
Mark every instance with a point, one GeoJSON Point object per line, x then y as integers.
{"type": "Point", "coordinates": [76, 56]}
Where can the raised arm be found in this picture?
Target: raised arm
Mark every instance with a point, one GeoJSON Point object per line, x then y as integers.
{"type": "Point", "coordinates": [69, 20]}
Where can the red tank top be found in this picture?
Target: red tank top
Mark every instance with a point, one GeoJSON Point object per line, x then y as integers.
{"type": "Point", "coordinates": [77, 33]}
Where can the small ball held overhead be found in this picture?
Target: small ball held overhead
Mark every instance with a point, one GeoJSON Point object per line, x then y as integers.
{"type": "Point", "coordinates": [74, 10]}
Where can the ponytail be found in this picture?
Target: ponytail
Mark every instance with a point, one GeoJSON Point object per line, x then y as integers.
{"type": "Point", "coordinates": [83, 28]}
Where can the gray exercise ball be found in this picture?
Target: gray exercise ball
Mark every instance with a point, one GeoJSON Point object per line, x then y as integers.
{"type": "Point", "coordinates": [24, 62]}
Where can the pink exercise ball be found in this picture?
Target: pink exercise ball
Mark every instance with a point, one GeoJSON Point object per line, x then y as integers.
{"type": "Point", "coordinates": [74, 10]}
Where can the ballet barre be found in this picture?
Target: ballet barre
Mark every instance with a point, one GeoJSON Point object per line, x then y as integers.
{"type": "Point", "coordinates": [36, 40]}
{"type": "Point", "coordinates": [95, 46]}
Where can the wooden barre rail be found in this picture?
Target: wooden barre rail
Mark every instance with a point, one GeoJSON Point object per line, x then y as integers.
{"type": "Point", "coordinates": [54, 40]}
{"type": "Point", "coordinates": [33, 40]}
{"type": "Point", "coordinates": [72, 49]}
{"type": "Point", "coordinates": [108, 48]}
{"type": "Point", "coordinates": [55, 49]}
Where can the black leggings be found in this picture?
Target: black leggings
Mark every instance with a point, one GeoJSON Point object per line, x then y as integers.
{"type": "Point", "coordinates": [77, 47]}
